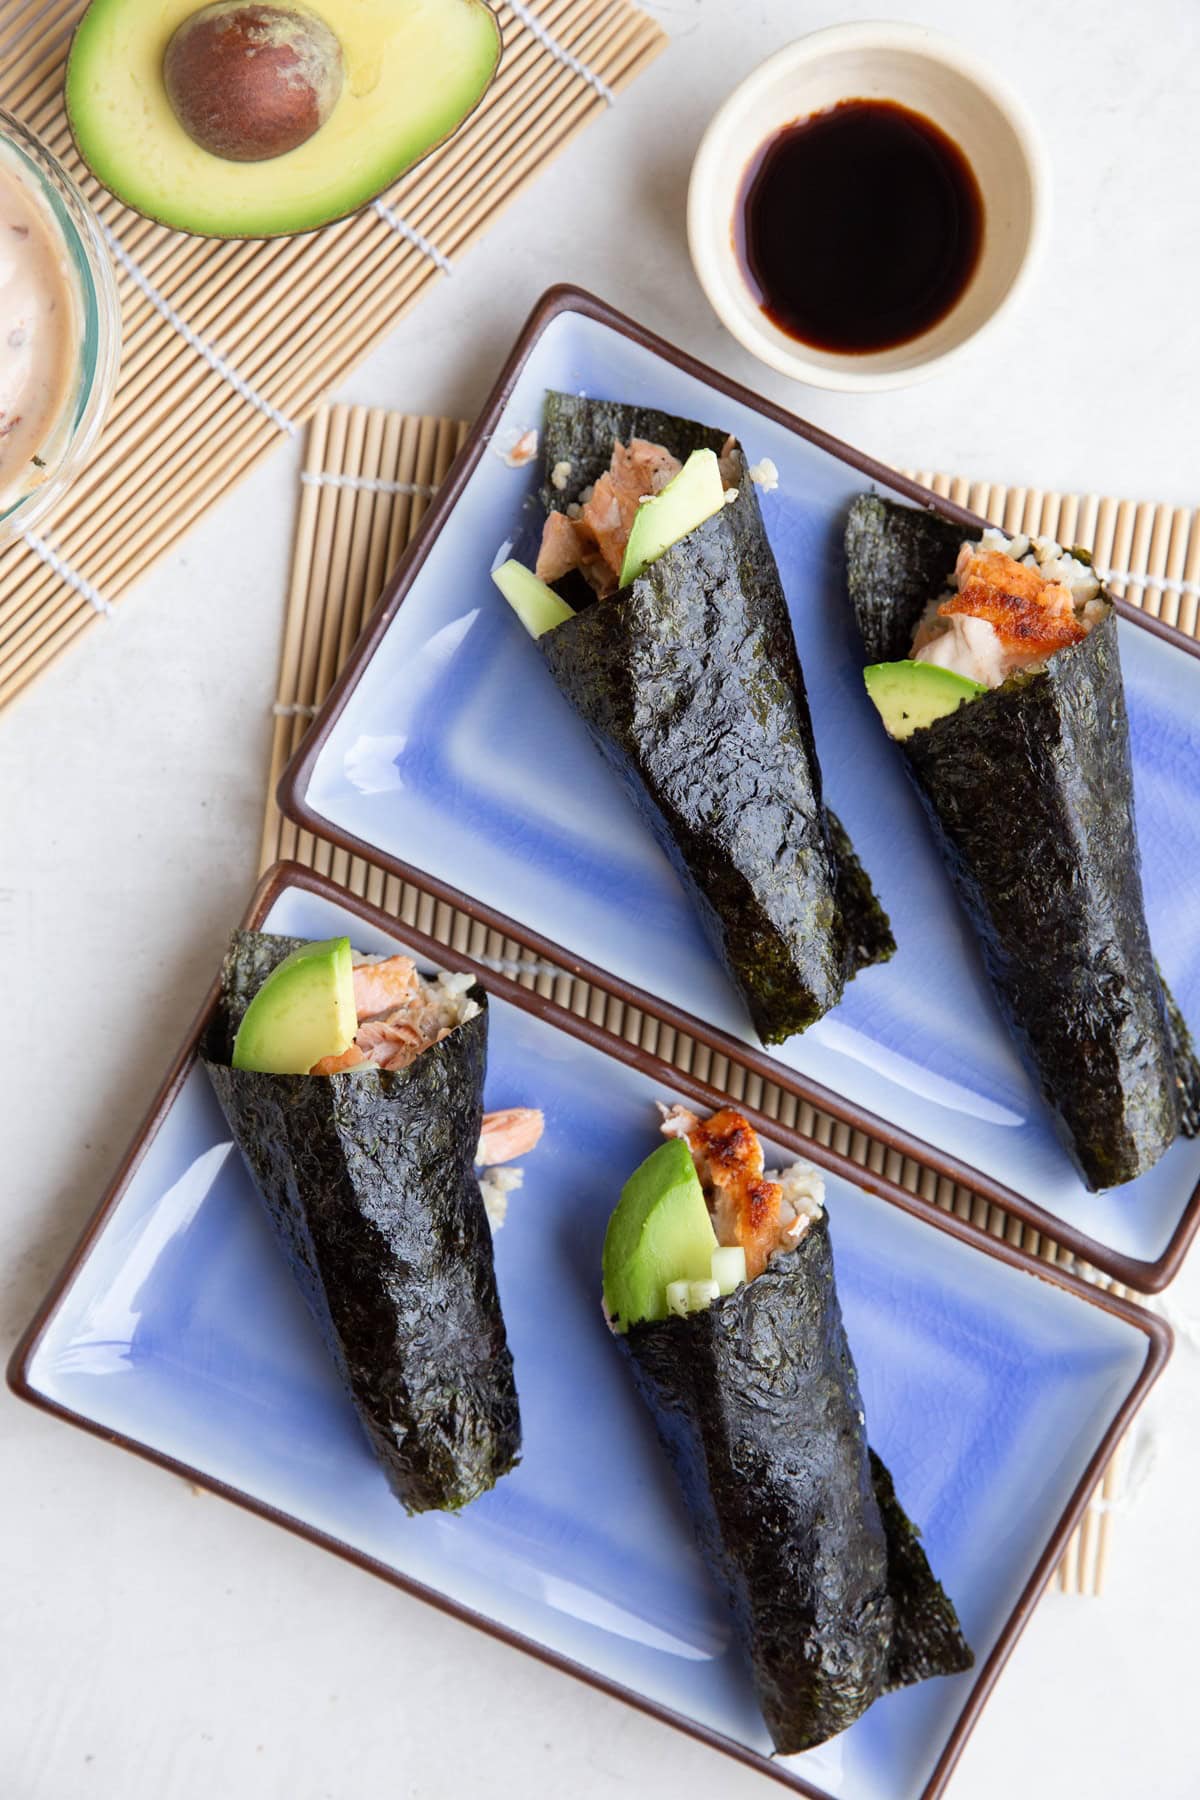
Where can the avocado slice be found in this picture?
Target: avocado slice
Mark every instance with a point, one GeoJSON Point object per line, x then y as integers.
{"type": "Point", "coordinates": [412, 71]}
{"type": "Point", "coordinates": [303, 1011]}
{"type": "Point", "coordinates": [911, 695]}
{"type": "Point", "coordinates": [537, 606]}
{"type": "Point", "coordinates": [695, 494]}
{"type": "Point", "coordinates": [660, 1231]}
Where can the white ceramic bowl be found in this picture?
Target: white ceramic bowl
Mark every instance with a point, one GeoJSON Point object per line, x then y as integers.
{"type": "Point", "coordinates": [921, 70]}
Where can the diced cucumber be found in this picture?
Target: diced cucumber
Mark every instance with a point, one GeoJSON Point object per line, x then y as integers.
{"type": "Point", "coordinates": [677, 1298]}
{"type": "Point", "coordinates": [537, 606]}
{"type": "Point", "coordinates": [728, 1267]}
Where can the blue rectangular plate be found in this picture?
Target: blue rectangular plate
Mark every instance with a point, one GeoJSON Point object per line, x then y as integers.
{"type": "Point", "coordinates": [994, 1390]}
{"type": "Point", "coordinates": [447, 753]}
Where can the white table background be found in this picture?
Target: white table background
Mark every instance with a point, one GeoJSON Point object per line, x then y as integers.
{"type": "Point", "coordinates": [156, 1644]}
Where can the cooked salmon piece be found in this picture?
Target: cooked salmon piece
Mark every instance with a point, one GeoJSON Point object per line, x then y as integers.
{"type": "Point", "coordinates": [571, 544]}
{"type": "Point", "coordinates": [381, 985]}
{"type": "Point", "coordinates": [397, 1018]}
{"type": "Point", "coordinates": [635, 473]}
{"type": "Point", "coordinates": [608, 516]}
{"type": "Point", "coordinates": [351, 1058]}
{"type": "Point", "coordinates": [760, 1214]}
{"type": "Point", "coordinates": [400, 1016]}
{"type": "Point", "coordinates": [652, 465]}
{"type": "Point", "coordinates": [562, 548]}
{"type": "Point", "coordinates": [386, 1043]}
{"type": "Point", "coordinates": [594, 541]}
{"type": "Point", "coordinates": [395, 1041]}
{"type": "Point", "coordinates": [677, 1121]}
{"type": "Point", "coordinates": [745, 1208]}
{"type": "Point", "coordinates": [507, 1134]}
{"type": "Point", "coordinates": [1026, 611]}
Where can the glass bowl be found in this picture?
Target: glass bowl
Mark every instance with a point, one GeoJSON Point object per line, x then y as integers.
{"type": "Point", "coordinates": [73, 435]}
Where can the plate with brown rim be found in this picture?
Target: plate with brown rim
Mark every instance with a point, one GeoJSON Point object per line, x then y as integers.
{"type": "Point", "coordinates": [994, 1387]}
{"type": "Point", "coordinates": [446, 753]}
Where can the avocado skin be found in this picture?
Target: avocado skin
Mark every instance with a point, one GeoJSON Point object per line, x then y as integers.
{"type": "Point", "coordinates": [368, 1181]}
{"type": "Point", "coordinates": [690, 684]}
{"type": "Point", "coordinates": [1029, 792]}
{"type": "Point", "coordinates": [757, 1405]}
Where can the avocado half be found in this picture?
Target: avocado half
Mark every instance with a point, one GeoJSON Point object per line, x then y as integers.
{"type": "Point", "coordinates": [414, 71]}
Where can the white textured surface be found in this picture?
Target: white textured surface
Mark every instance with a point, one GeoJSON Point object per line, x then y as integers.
{"type": "Point", "coordinates": [161, 1646]}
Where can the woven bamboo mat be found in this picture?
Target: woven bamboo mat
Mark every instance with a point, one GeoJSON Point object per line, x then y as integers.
{"type": "Point", "coordinates": [227, 346]}
{"type": "Point", "coordinates": [367, 480]}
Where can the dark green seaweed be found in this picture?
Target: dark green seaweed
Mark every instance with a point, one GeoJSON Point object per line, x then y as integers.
{"type": "Point", "coordinates": [865, 928]}
{"type": "Point", "coordinates": [1029, 791]}
{"type": "Point", "coordinates": [690, 684]}
{"type": "Point", "coordinates": [927, 1638]}
{"type": "Point", "coordinates": [581, 432]}
{"type": "Point", "coordinates": [368, 1180]}
{"type": "Point", "coordinates": [1187, 1067]}
{"type": "Point", "coordinates": [897, 560]}
{"type": "Point", "coordinates": [757, 1405]}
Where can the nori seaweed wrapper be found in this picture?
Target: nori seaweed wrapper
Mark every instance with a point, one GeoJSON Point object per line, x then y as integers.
{"type": "Point", "coordinates": [926, 1637]}
{"type": "Point", "coordinates": [1029, 790]}
{"type": "Point", "coordinates": [582, 432]}
{"type": "Point", "coordinates": [757, 1405]}
{"type": "Point", "coordinates": [368, 1180]}
{"type": "Point", "coordinates": [691, 686]}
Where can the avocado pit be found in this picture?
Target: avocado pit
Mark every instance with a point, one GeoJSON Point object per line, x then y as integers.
{"type": "Point", "coordinates": [249, 82]}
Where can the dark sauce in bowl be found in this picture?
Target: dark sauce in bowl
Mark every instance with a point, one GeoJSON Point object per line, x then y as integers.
{"type": "Point", "coordinates": [859, 228]}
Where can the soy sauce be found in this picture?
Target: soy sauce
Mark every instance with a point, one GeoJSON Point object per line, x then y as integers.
{"type": "Point", "coordinates": [859, 228]}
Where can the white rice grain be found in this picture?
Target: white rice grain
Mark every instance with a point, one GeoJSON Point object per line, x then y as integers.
{"type": "Point", "coordinates": [496, 1185]}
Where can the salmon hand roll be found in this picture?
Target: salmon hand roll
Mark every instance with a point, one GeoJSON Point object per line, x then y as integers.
{"type": "Point", "coordinates": [657, 604]}
{"type": "Point", "coordinates": [353, 1088]}
{"type": "Point", "coordinates": [994, 663]}
{"type": "Point", "coordinates": [719, 1287]}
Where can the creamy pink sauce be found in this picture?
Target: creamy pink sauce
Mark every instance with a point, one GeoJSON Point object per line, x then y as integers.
{"type": "Point", "coordinates": [39, 335]}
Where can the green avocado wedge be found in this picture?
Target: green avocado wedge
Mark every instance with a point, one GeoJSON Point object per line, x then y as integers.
{"type": "Point", "coordinates": [660, 1231]}
{"type": "Point", "coordinates": [537, 606]}
{"type": "Point", "coordinates": [911, 695]}
{"type": "Point", "coordinates": [695, 494]}
{"type": "Point", "coordinates": [303, 1011]}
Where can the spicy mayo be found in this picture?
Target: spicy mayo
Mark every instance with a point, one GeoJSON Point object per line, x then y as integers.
{"type": "Point", "coordinates": [39, 332]}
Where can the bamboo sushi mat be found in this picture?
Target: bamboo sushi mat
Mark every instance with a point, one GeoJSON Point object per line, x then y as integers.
{"type": "Point", "coordinates": [227, 345]}
{"type": "Point", "coordinates": [367, 481]}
